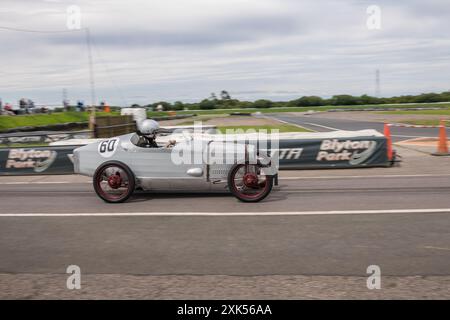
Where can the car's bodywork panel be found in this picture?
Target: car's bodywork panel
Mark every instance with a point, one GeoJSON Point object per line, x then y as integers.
{"type": "Point", "coordinates": [155, 168]}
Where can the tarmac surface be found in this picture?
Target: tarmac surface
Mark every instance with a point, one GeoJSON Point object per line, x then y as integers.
{"type": "Point", "coordinates": [324, 124]}
{"type": "Point", "coordinates": [313, 237]}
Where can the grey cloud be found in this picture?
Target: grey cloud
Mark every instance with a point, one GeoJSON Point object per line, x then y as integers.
{"type": "Point", "coordinates": [232, 30]}
{"type": "Point", "coordinates": [304, 48]}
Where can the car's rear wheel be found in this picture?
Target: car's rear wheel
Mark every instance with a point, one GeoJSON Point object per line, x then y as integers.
{"type": "Point", "coordinates": [247, 183]}
{"type": "Point", "coordinates": [114, 182]}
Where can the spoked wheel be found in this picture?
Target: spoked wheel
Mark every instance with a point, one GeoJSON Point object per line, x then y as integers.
{"type": "Point", "coordinates": [114, 182]}
{"type": "Point", "coordinates": [248, 184]}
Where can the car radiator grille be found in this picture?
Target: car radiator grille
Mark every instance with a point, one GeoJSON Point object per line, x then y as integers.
{"type": "Point", "coordinates": [219, 171]}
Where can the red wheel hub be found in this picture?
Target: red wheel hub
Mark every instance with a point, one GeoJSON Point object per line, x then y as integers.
{"type": "Point", "coordinates": [115, 181]}
{"type": "Point", "coordinates": [250, 180]}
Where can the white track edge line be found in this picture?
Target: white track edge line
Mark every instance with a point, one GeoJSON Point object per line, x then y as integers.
{"type": "Point", "coordinates": [369, 176]}
{"type": "Point", "coordinates": [280, 178]}
{"type": "Point", "coordinates": [231, 214]}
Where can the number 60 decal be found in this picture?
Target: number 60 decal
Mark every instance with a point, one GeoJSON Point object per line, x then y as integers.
{"type": "Point", "coordinates": [107, 148]}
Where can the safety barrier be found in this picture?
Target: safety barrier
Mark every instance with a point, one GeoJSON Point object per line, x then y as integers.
{"type": "Point", "coordinates": [296, 151]}
{"type": "Point", "coordinates": [442, 146]}
{"type": "Point", "coordinates": [36, 161]}
{"type": "Point", "coordinates": [41, 137]}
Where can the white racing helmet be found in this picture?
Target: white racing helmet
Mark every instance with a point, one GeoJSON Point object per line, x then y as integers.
{"type": "Point", "coordinates": [148, 127]}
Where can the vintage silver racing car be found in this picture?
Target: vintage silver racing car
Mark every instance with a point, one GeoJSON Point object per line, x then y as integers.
{"type": "Point", "coordinates": [122, 164]}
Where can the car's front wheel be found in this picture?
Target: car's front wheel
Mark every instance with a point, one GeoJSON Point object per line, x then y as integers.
{"type": "Point", "coordinates": [114, 182]}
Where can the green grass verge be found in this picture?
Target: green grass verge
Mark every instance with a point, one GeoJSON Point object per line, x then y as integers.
{"type": "Point", "coordinates": [444, 106]}
{"type": "Point", "coordinates": [443, 112]}
{"type": "Point", "coordinates": [10, 122]}
{"type": "Point", "coordinates": [426, 122]}
{"type": "Point", "coordinates": [34, 120]}
{"type": "Point", "coordinates": [23, 145]}
{"type": "Point", "coordinates": [203, 119]}
{"type": "Point", "coordinates": [281, 128]}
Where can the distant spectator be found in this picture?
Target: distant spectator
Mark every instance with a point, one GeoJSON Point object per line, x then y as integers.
{"type": "Point", "coordinates": [31, 106]}
{"type": "Point", "coordinates": [80, 106]}
{"type": "Point", "coordinates": [9, 109]}
{"type": "Point", "coordinates": [23, 106]}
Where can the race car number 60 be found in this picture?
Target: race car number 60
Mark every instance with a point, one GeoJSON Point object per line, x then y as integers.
{"type": "Point", "coordinates": [107, 148]}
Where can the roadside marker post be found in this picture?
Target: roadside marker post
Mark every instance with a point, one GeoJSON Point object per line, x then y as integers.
{"type": "Point", "coordinates": [387, 134]}
{"type": "Point", "coordinates": [442, 143]}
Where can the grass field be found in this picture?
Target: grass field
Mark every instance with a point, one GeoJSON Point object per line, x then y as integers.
{"type": "Point", "coordinates": [192, 121]}
{"type": "Point", "coordinates": [9, 122]}
{"type": "Point", "coordinates": [443, 112]}
{"type": "Point", "coordinates": [23, 145]}
{"type": "Point", "coordinates": [444, 106]}
{"type": "Point", "coordinates": [33, 120]}
{"type": "Point", "coordinates": [268, 128]}
{"type": "Point", "coordinates": [426, 122]}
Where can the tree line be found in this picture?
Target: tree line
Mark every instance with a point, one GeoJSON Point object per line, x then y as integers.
{"type": "Point", "coordinates": [225, 101]}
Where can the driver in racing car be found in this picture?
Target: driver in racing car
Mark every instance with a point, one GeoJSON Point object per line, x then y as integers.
{"type": "Point", "coordinates": [147, 132]}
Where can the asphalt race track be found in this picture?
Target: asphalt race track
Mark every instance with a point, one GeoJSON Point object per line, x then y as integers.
{"type": "Point", "coordinates": [326, 124]}
{"type": "Point", "coordinates": [311, 227]}
{"type": "Point", "coordinates": [313, 237]}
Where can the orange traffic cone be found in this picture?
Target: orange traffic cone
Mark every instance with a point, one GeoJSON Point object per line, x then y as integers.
{"type": "Point", "coordinates": [387, 134]}
{"type": "Point", "coordinates": [442, 144]}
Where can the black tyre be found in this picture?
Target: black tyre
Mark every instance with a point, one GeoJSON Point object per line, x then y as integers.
{"type": "Point", "coordinates": [114, 182]}
{"type": "Point", "coordinates": [247, 183]}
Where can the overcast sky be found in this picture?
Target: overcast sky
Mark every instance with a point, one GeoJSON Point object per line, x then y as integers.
{"type": "Point", "coordinates": [150, 50]}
